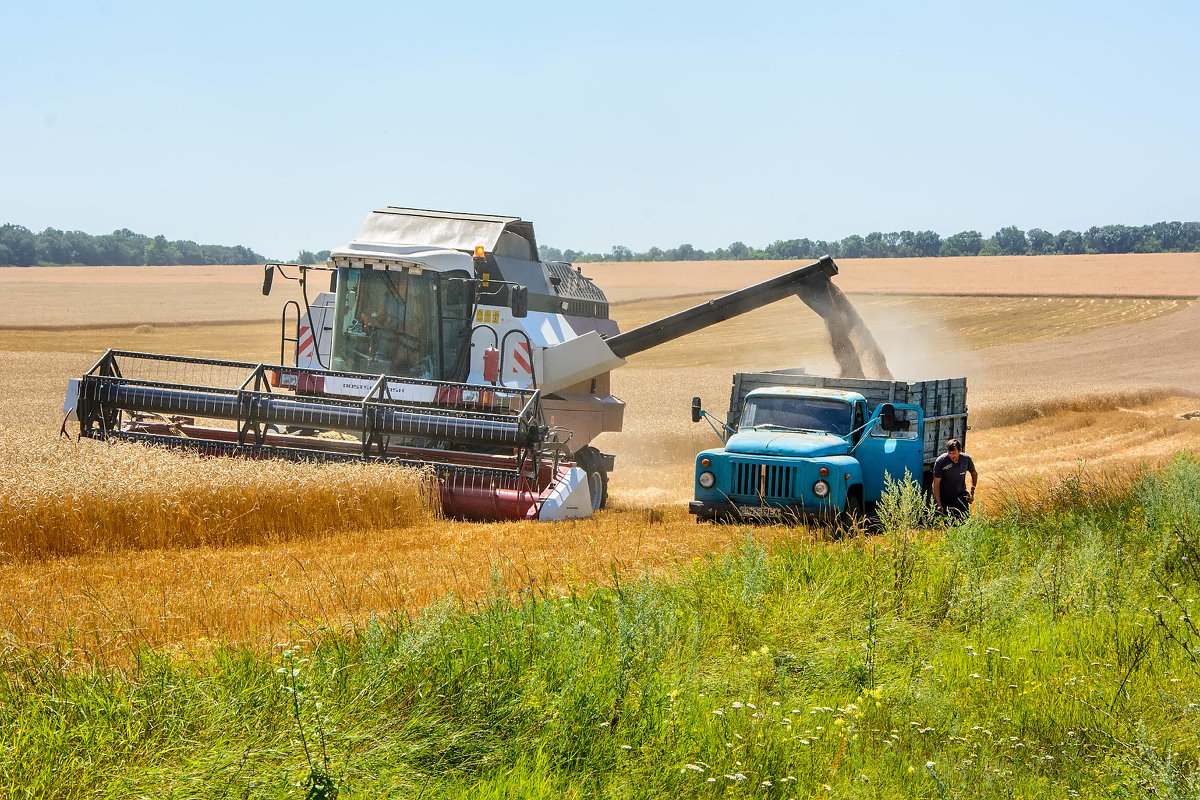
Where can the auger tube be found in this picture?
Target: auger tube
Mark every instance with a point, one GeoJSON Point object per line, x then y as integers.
{"type": "Point", "coordinates": [722, 308]}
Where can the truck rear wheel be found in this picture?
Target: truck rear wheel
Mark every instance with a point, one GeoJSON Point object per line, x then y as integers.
{"type": "Point", "coordinates": [589, 460]}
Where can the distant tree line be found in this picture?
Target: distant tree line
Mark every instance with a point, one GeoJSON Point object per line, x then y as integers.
{"type": "Point", "coordinates": [19, 247]}
{"type": "Point", "coordinates": [309, 257]}
{"type": "Point", "coordinates": [1161, 237]}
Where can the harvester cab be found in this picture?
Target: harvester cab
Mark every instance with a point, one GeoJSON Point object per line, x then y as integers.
{"type": "Point", "coordinates": [442, 341]}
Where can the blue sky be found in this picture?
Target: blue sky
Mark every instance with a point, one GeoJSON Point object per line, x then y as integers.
{"type": "Point", "coordinates": [280, 125]}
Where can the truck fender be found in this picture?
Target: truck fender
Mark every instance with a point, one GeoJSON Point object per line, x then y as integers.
{"type": "Point", "coordinates": [844, 472]}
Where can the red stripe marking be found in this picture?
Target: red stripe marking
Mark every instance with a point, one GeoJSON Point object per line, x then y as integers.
{"type": "Point", "coordinates": [522, 359]}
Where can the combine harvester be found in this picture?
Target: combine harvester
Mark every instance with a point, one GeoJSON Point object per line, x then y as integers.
{"type": "Point", "coordinates": [443, 343]}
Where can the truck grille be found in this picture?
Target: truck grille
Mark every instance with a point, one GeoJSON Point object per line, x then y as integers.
{"type": "Point", "coordinates": [772, 481]}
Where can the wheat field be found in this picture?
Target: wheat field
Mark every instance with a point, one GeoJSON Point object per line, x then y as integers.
{"type": "Point", "coordinates": [107, 548]}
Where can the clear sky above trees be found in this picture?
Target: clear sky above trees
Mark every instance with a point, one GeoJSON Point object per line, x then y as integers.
{"type": "Point", "coordinates": [643, 124]}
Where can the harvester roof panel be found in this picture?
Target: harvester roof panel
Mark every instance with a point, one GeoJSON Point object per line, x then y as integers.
{"type": "Point", "coordinates": [409, 226]}
{"type": "Point", "coordinates": [432, 258]}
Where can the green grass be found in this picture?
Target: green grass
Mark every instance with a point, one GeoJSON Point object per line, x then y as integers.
{"type": "Point", "coordinates": [1048, 652]}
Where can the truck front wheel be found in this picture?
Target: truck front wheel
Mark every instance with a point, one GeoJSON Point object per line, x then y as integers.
{"type": "Point", "coordinates": [852, 515]}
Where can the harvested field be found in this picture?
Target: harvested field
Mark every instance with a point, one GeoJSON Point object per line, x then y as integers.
{"type": "Point", "coordinates": [1132, 275]}
{"type": "Point", "coordinates": [1057, 382]}
{"type": "Point", "coordinates": [68, 297]}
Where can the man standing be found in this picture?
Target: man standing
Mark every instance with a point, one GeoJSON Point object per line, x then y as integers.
{"type": "Point", "coordinates": [950, 481]}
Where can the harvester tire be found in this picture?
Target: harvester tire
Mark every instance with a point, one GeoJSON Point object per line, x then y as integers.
{"type": "Point", "coordinates": [588, 459]}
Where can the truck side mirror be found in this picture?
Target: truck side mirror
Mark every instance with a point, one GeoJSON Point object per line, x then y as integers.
{"type": "Point", "coordinates": [268, 277]}
{"type": "Point", "coordinates": [887, 417]}
{"type": "Point", "coordinates": [888, 420]}
{"type": "Point", "coordinates": [518, 301]}
{"type": "Point", "coordinates": [695, 409]}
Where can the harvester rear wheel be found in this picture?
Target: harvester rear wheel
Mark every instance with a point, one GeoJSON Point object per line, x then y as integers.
{"type": "Point", "coordinates": [588, 459]}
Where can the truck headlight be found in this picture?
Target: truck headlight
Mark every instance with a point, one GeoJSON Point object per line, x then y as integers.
{"type": "Point", "coordinates": [821, 489]}
{"type": "Point", "coordinates": [707, 480]}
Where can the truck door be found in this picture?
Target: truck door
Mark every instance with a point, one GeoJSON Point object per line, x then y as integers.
{"type": "Point", "coordinates": [893, 442]}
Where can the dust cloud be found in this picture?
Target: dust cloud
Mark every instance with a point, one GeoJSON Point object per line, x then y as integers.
{"type": "Point", "coordinates": [858, 354]}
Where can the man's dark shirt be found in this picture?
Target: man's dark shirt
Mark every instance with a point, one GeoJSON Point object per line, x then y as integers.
{"type": "Point", "coordinates": [954, 476]}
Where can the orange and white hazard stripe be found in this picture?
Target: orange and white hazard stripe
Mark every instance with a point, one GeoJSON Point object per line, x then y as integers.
{"type": "Point", "coordinates": [522, 359]}
{"type": "Point", "coordinates": [304, 341]}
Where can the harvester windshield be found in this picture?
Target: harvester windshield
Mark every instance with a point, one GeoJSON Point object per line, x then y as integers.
{"type": "Point", "coordinates": [408, 323]}
{"type": "Point", "coordinates": [796, 413]}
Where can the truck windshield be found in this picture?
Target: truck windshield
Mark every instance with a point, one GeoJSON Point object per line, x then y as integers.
{"type": "Point", "coordinates": [797, 413]}
{"type": "Point", "coordinates": [396, 322]}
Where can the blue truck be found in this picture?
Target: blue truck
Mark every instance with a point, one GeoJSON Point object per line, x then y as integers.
{"type": "Point", "coordinates": [799, 445]}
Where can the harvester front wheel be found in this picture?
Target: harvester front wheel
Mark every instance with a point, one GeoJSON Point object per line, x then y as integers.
{"type": "Point", "coordinates": [589, 460]}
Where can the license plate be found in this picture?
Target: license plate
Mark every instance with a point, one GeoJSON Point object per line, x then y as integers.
{"type": "Point", "coordinates": [758, 512]}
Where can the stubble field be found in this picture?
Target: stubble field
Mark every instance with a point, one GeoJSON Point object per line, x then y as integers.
{"type": "Point", "coordinates": [1073, 363]}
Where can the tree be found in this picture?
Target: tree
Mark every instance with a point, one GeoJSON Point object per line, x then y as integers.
{"type": "Point", "coordinates": [306, 257]}
{"type": "Point", "coordinates": [160, 252]}
{"type": "Point", "coordinates": [19, 248]}
{"type": "Point", "coordinates": [685, 252]}
{"type": "Point", "coordinates": [1042, 243]}
{"type": "Point", "coordinates": [1169, 234]}
{"type": "Point", "coordinates": [1069, 243]}
{"type": "Point", "coordinates": [51, 247]}
{"type": "Point", "coordinates": [738, 251]}
{"type": "Point", "coordinates": [1011, 241]}
{"type": "Point", "coordinates": [892, 243]}
{"type": "Point", "coordinates": [967, 243]}
{"type": "Point", "coordinates": [189, 252]}
{"type": "Point", "coordinates": [84, 248]}
{"type": "Point", "coordinates": [1149, 244]}
{"type": "Point", "coordinates": [1109, 239]}
{"type": "Point", "coordinates": [853, 247]}
{"type": "Point", "coordinates": [1189, 237]}
{"type": "Point", "coordinates": [124, 247]}
{"type": "Point", "coordinates": [874, 245]}
{"type": "Point", "coordinates": [824, 248]}
{"type": "Point", "coordinates": [925, 244]}
{"type": "Point", "coordinates": [544, 253]}
{"type": "Point", "coordinates": [791, 249]}
{"type": "Point", "coordinates": [621, 253]}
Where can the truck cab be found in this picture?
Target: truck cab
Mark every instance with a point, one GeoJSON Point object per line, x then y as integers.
{"type": "Point", "coordinates": [814, 450]}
